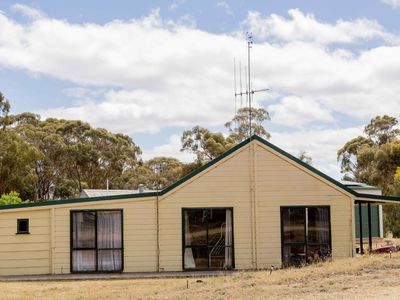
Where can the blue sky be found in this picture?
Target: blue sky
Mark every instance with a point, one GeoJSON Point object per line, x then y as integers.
{"type": "Point", "coordinates": [152, 69]}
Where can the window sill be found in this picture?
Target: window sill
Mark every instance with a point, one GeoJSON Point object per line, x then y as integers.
{"type": "Point", "coordinates": [23, 233]}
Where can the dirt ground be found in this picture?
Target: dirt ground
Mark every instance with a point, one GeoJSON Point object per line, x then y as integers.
{"type": "Point", "coordinates": [367, 277]}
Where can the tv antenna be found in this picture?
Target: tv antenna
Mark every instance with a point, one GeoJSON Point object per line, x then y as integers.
{"type": "Point", "coordinates": [249, 92]}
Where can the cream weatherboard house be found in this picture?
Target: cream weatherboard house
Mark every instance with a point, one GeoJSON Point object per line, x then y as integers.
{"type": "Point", "coordinates": [250, 208]}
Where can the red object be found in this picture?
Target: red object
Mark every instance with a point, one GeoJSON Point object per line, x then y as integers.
{"type": "Point", "coordinates": [385, 249]}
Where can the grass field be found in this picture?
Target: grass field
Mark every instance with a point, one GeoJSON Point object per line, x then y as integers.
{"type": "Point", "coordinates": [368, 277]}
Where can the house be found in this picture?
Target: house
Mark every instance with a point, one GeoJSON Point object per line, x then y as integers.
{"type": "Point", "coordinates": [252, 207]}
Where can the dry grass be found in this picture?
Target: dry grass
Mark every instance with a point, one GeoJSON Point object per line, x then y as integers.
{"type": "Point", "coordinates": [374, 276]}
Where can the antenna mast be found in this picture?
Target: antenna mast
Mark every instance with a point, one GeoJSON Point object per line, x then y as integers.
{"type": "Point", "coordinates": [249, 44]}
{"type": "Point", "coordinates": [249, 91]}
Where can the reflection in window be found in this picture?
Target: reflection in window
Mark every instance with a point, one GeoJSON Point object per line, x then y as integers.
{"type": "Point", "coordinates": [305, 235]}
{"type": "Point", "coordinates": [208, 242]}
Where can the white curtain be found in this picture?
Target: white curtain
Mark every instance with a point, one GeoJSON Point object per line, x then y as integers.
{"type": "Point", "coordinates": [189, 259]}
{"type": "Point", "coordinates": [109, 234]}
{"type": "Point", "coordinates": [228, 239]}
{"type": "Point", "coordinates": [84, 260]}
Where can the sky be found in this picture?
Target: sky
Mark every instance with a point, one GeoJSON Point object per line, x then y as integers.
{"type": "Point", "coordinates": [152, 69]}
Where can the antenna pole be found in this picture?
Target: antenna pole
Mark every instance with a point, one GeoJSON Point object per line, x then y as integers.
{"type": "Point", "coordinates": [241, 91]}
{"type": "Point", "coordinates": [249, 43]}
{"type": "Point", "coordinates": [234, 79]}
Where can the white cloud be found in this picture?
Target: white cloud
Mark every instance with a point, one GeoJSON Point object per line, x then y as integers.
{"type": "Point", "coordinates": [27, 11]}
{"type": "Point", "coordinates": [170, 149]}
{"type": "Point", "coordinates": [297, 111]}
{"type": "Point", "coordinates": [226, 7]}
{"type": "Point", "coordinates": [150, 73]}
{"type": "Point", "coordinates": [304, 27]}
{"type": "Point", "coordinates": [393, 3]}
{"type": "Point", "coordinates": [321, 145]}
{"type": "Point", "coordinates": [164, 73]}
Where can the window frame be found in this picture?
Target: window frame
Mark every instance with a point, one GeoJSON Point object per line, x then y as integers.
{"type": "Point", "coordinates": [184, 246]}
{"type": "Point", "coordinates": [96, 249]}
{"type": "Point", "coordinates": [19, 231]}
{"type": "Point", "coordinates": [306, 244]}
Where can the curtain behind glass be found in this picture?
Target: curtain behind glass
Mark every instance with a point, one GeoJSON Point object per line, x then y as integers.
{"type": "Point", "coordinates": [109, 231]}
{"type": "Point", "coordinates": [228, 239]}
{"type": "Point", "coordinates": [109, 234]}
{"type": "Point", "coordinates": [83, 230]}
{"type": "Point", "coordinates": [293, 224]}
{"type": "Point", "coordinates": [318, 225]}
{"type": "Point", "coordinates": [189, 258]}
{"type": "Point", "coordinates": [84, 260]}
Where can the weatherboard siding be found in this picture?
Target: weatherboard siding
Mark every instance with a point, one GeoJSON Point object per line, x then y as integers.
{"type": "Point", "coordinates": [280, 182]}
{"type": "Point", "coordinates": [226, 184]}
{"type": "Point", "coordinates": [25, 253]}
{"type": "Point", "coordinates": [139, 233]}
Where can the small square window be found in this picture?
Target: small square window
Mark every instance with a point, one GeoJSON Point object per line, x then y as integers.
{"type": "Point", "coordinates": [23, 226]}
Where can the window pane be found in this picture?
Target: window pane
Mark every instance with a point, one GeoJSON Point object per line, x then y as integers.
{"type": "Point", "coordinates": [83, 230]}
{"type": "Point", "coordinates": [109, 231]}
{"type": "Point", "coordinates": [318, 253]}
{"type": "Point", "coordinates": [83, 260]}
{"type": "Point", "coordinates": [22, 225]}
{"type": "Point", "coordinates": [217, 227]}
{"type": "Point", "coordinates": [223, 259]}
{"type": "Point", "coordinates": [294, 255]}
{"type": "Point", "coordinates": [196, 257]}
{"type": "Point", "coordinates": [110, 260]}
{"type": "Point", "coordinates": [196, 227]}
{"type": "Point", "coordinates": [293, 225]}
{"type": "Point", "coordinates": [318, 225]}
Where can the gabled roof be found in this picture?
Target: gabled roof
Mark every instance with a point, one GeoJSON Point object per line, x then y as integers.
{"type": "Point", "coordinates": [201, 169]}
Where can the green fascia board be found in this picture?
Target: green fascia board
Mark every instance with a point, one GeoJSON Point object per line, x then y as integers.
{"type": "Point", "coordinates": [199, 170]}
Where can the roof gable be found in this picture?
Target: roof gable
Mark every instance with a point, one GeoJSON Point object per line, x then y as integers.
{"type": "Point", "coordinates": [198, 171]}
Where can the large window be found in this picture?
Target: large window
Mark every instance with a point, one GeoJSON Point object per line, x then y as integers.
{"type": "Point", "coordinates": [208, 238]}
{"type": "Point", "coordinates": [306, 234]}
{"type": "Point", "coordinates": [96, 241]}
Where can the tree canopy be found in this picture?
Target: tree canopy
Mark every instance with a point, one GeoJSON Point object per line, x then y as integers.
{"type": "Point", "coordinates": [375, 159]}
{"type": "Point", "coordinates": [207, 144]}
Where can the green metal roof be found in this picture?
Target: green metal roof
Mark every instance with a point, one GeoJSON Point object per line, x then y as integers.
{"type": "Point", "coordinates": [199, 170]}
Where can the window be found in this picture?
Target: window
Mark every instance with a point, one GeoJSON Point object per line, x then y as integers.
{"type": "Point", "coordinates": [22, 226]}
{"type": "Point", "coordinates": [306, 235]}
{"type": "Point", "coordinates": [96, 241]}
{"type": "Point", "coordinates": [208, 238]}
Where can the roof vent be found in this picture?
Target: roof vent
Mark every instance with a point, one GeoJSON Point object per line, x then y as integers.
{"type": "Point", "coordinates": [141, 188]}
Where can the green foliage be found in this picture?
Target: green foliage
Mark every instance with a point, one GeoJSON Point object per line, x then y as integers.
{"type": "Point", "coordinates": [382, 130]}
{"type": "Point", "coordinates": [239, 126]}
{"type": "Point", "coordinates": [17, 158]}
{"type": "Point", "coordinates": [10, 198]}
{"type": "Point", "coordinates": [205, 144]}
{"type": "Point", "coordinates": [375, 159]}
{"type": "Point", "coordinates": [53, 159]}
{"type": "Point", "coordinates": [303, 156]}
{"type": "Point", "coordinates": [4, 110]}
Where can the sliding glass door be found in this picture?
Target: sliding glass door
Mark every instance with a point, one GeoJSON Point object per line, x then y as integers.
{"type": "Point", "coordinates": [96, 241]}
{"type": "Point", "coordinates": [207, 238]}
{"type": "Point", "coordinates": [306, 234]}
